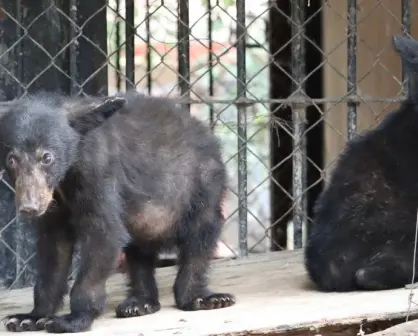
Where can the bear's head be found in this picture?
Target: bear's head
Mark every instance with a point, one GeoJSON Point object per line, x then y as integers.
{"type": "Point", "coordinates": [39, 138]}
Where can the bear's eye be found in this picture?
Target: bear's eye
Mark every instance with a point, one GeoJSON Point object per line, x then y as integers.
{"type": "Point", "coordinates": [47, 159]}
{"type": "Point", "coordinates": [11, 161]}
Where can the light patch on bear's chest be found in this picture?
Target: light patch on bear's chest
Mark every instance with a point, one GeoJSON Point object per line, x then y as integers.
{"type": "Point", "coordinates": [153, 222]}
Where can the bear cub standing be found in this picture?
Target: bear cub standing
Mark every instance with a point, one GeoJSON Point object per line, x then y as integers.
{"type": "Point", "coordinates": [123, 171]}
{"type": "Point", "coordinates": [363, 233]}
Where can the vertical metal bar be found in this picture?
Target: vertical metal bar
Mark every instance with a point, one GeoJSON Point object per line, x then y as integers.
{"type": "Point", "coordinates": [75, 89]}
{"type": "Point", "coordinates": [117, 42]}
{"type": "Point", "coordinates": [298, 120]}
{"type": "Point", "coordinates": [148, 57]}
{"type": "Point", "coordinates": [130, 44]}
{"type": "Point", "coordinates": [19, 282]}
{"type": "Point", "coordinates": [352, 67]}
{"type": "Point", "coordinates": [184, 50]}
{"type": "Point", "coordinates": [210, 63]}
{"type": "Point", "coordinates": [242, 127]}
{"type": "Point", "coordinates": [73, 49]}
{"type": "Point", "coordinates": [19, 50]}
{"type": "Point", "coordinates": [406, 29]}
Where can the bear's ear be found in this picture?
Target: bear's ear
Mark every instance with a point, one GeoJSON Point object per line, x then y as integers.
{"type": "Point", "coordinates": [407, 49]}
{"type": "Point", "coordinates": [86, 114]}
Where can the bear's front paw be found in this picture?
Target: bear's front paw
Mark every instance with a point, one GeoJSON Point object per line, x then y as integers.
{"type": "Point", "coordinates": [70, 323]}
{"type": "Point", "coordinates": [24, 322]}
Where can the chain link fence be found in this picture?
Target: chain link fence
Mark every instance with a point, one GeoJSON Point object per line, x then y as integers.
{"type": "Point", "coordinates": [283, 84]}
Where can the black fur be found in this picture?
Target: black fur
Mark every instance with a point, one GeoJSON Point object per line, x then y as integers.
{"type": "Point", "coordinates": [363, 233]}
{"type": "Point", "coordinates": [129, 171]}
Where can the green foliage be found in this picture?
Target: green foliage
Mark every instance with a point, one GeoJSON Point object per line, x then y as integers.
{"type": "Point", "coordinates": [222, 3]}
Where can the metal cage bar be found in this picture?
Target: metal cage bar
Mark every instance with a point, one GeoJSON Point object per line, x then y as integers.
{"type": "Point", "coordinates": [74, 89]}
{"type": "Point", "coordinates": [406, 29]}
{"type": "Point", "coordinates": [351, 67]}
{"type": "Point", "coordinates": [148, 55]}
{"type": "Point", "coordinates": [184, 50]}
{"type": "Point", "coordinates": [242, 127]}
{"type": "Point", "coordinates": [298, 120]}
{"type": "Point", "coordinates": [130, 45]}
{"type": "Point", "coordinates": [117, 43]}
{"type": "Point", "coordinates": [210, 62]}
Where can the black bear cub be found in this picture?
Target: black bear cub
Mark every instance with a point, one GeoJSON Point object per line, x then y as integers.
{"type": "Point", "coordinates": [363, 233]}
{"type": "Point", "coordinates": [125, 171]}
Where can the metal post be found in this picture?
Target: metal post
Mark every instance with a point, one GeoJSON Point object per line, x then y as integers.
{"type": "Point", "coordinates": [184, 51]}
{"type": "Point", "coordinates": [117, 42]}
{"type": "Point", "coordinates": [130, 44]}
{"type": "Point", "coordinates": [74, 87]}
{"type": "Point", "coordinates": [406, 29]}
{"type": "Point", "coordinates": [352, 67]}
{"type": "Point", "coordinates": [148, 56]}
{"type": "Point", "coordinates": [299, 120]}
{"type": "Point", "coordinates": [242, 128]}
{"type": "Point", "coordinates": [210, 63]}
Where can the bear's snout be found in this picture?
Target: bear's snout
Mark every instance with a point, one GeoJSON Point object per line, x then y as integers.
{"type": "Point", "coordinates": [33, 194]}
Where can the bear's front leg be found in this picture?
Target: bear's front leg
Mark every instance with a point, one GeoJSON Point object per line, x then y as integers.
{"type": "Point", "coordinates": [54, 247]}
{"type": "Point", "coordinates": [99, 250]}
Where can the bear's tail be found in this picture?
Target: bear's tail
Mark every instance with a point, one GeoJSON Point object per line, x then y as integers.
{"type": "Point", "coordinates": [407, 49]}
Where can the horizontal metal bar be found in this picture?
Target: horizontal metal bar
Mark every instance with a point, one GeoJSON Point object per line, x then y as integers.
{"type": "Point", "coordinates": [295, 100]}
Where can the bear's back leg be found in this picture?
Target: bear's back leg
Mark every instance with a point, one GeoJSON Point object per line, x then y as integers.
{"type": "Point", "coordinates": [197, 244]}
{"type": "Point", "coordinates": [198, 234]}
{"type": "Point", "coordinates": [142, 298]}
{"type": "Point", "coordinates": [331, 270]}
{"type": "Point", "coordinates": [386, 270]}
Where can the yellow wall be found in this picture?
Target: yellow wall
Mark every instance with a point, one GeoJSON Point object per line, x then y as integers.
{"type": "Point", "coordinates": [375, 77]}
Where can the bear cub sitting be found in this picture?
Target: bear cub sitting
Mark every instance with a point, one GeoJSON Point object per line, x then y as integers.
{"type": "Point", "coordinates": [363, 234]}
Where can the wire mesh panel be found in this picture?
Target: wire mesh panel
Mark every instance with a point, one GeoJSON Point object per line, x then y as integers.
{"type": "Point", "coordinates": [283, 84]}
